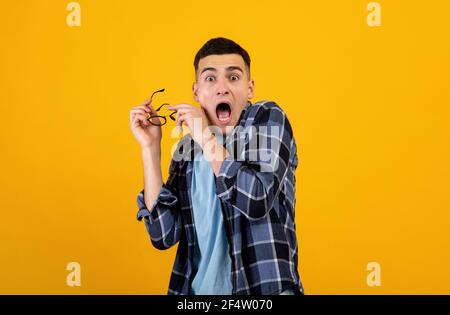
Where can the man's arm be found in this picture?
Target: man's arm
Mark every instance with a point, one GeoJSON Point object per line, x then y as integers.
{"type": "Point", "coordinates": [151, 158]}
{"type": "Point", "coordinates": [158, 202]}
{"type": "Point", "coordinates": [251, 180]}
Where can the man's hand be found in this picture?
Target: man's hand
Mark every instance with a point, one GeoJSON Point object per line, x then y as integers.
{"type": "Point", "coordinates": [147, 134]}
{"type": "Point", "coordinates": [149, 137]}
{"type": "Point", "coordinates": [197, 122]}
{"type": "Point", "coordinates": [195, 119]}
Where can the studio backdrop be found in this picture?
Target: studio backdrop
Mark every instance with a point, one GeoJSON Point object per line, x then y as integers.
{"type": "Point", "coordinates": [365, 86]}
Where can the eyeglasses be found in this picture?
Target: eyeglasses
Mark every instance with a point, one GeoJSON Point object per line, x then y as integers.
{"type": "Point", "coordinates": [162, 119]}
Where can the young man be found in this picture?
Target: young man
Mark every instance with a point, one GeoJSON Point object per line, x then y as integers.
{"type": "Point", "coordinates": [230, 195]}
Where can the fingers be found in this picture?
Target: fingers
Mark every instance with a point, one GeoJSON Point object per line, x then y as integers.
{"type": "Point", "coordinates": [180, 106]}
{"type": "Point", "coordinates": [179, 121]}
{"type": "Point", "coordinates": [139, 115]}
{"type": "Point", "coordinates": [185, 113]}
{"type": "Point", "coordinates": [135, 112]}
{"type": "Point", "coordinates": [136, 123]}
{"type": "Point", "coordinates": [182, 114]}
{"type": "Point", "coordinates": [142, 110]}
{"type": "Point", "coordinates": [147, 102]}
{"type": "Point", "coordinates": [148, 105]}
{"type": "Point", "coordinates": [140, 119]}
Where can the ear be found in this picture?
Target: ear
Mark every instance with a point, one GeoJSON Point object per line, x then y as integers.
{"type": "Point", "coordinates": [251, 89]}
{"type": "Point", "coordinates": [195, 91]}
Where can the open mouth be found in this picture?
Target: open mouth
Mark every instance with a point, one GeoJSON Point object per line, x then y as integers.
{"type": "Point", "coordinates": [223, 112]}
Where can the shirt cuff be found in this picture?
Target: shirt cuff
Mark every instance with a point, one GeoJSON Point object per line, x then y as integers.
{"type": "Point", "coordinates": [165, 197]}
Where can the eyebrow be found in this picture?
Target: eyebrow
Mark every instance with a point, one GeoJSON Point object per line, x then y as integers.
{"type": "Point", "coordinates": [230, 68]}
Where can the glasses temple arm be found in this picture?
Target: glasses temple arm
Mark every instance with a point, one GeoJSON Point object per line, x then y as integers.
{"type": "Point", "coordinates": [162, 90]}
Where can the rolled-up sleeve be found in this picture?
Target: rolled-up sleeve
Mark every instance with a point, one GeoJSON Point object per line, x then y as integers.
{"type": "Point", "coordinates": [162, 219]}
{"type": "Point", "coordinates": [165, 198]}
{"type": "Point", "coordinates": [252, 180]}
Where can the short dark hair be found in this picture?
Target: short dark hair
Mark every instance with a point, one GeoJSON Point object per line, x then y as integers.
{"type": "Point", "coordinates": [221, 46]}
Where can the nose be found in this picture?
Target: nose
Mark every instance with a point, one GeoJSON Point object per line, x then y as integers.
{"type": "Point", "coordinates": [222, 89]}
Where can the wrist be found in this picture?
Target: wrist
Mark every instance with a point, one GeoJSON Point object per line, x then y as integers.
{"type": "Point", "coordinates": [151, 151]}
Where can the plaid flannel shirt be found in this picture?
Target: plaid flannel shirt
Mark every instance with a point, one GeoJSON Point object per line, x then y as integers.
{"type": "Point", "coordinates": [257, 197]}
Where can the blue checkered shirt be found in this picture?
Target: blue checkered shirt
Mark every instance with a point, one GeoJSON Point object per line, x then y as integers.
{"type": "Point", "coordinates": [257, 195]}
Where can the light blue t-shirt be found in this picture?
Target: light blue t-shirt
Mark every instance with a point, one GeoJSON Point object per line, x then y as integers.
{"type": "Point", "coordinates": [212, 254]}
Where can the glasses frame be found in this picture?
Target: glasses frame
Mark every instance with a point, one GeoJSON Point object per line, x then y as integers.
{"type": "Point", "coordinates": [163, 119]}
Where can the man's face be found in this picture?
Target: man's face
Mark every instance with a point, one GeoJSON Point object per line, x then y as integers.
{"type": "Point", "coordinates": [223, 88]}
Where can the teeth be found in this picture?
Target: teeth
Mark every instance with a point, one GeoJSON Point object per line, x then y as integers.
{"type": "Point", "coordinates": [223, 113]}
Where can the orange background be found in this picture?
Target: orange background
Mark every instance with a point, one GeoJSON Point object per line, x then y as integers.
{"type": "Point", "coordinates": [369, 107]}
